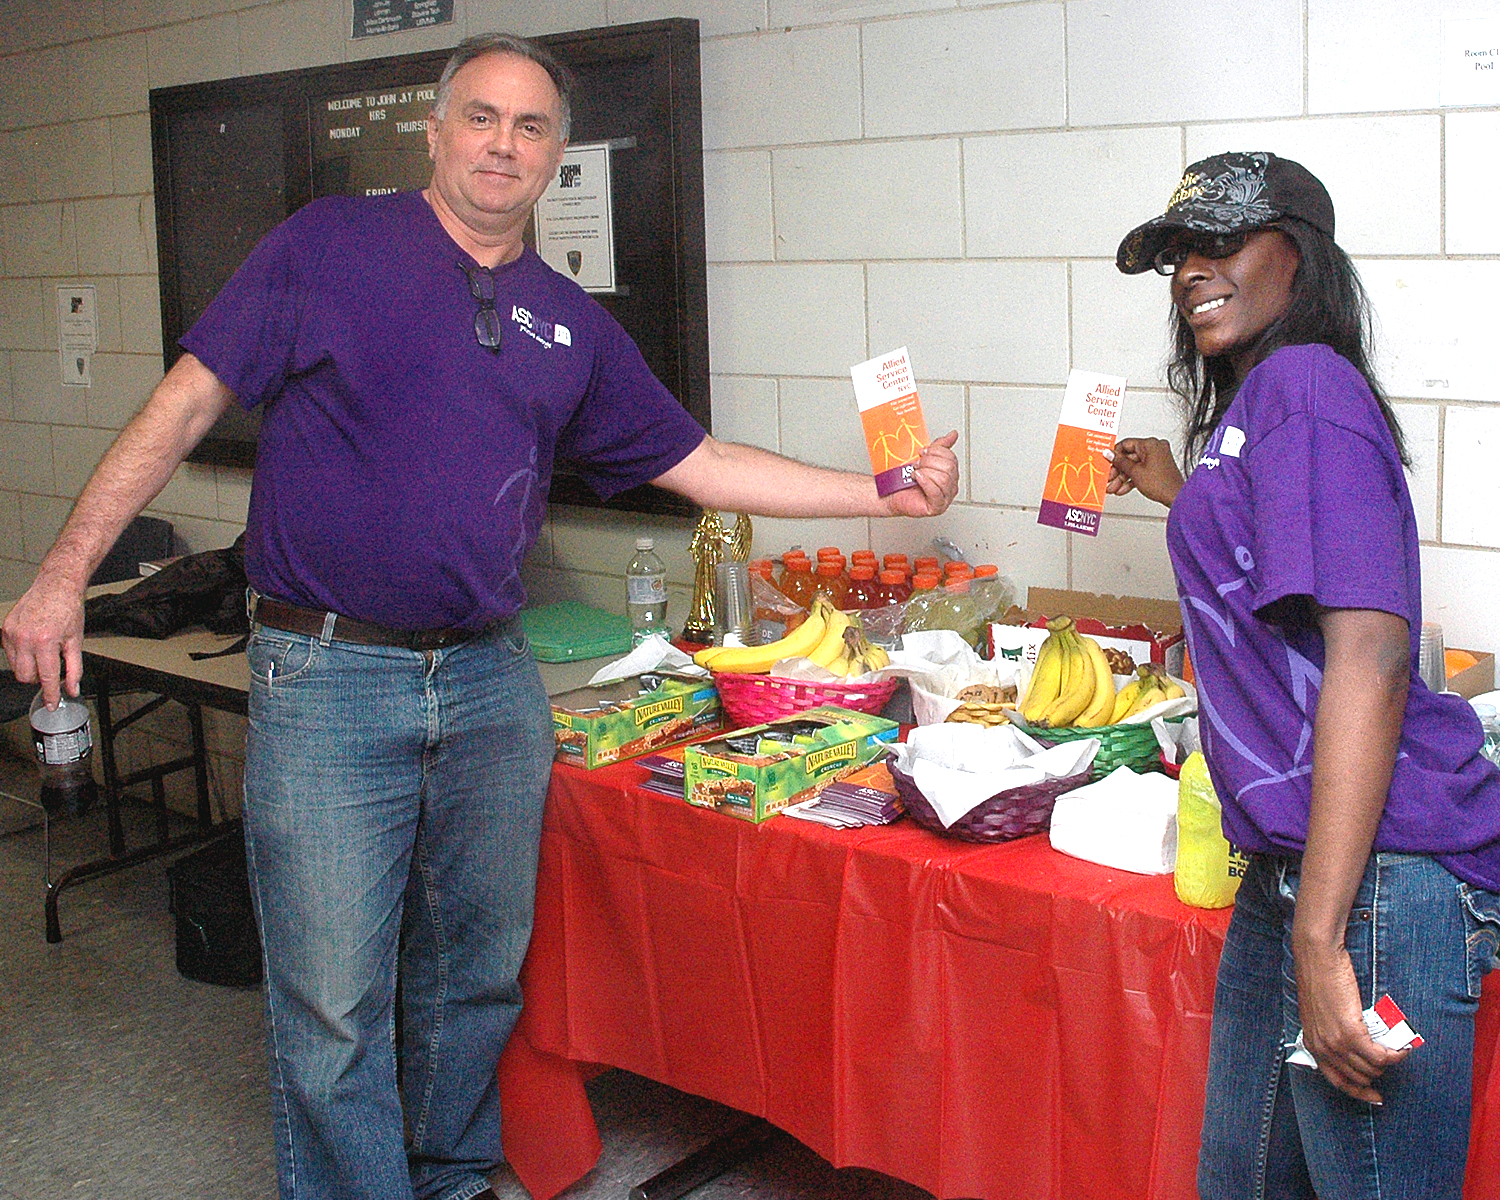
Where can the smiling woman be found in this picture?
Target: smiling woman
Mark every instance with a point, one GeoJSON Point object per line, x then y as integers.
{"type": "Point", "coordinates": [1371, 820]}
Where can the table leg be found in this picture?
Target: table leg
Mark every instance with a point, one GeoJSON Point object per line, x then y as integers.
{"type": "Point", "coordinates": [724, 1152]}
{"type": "Point", "coordinates": [200, 766]}
{"type": "Point", "coordinates": [111, 771]}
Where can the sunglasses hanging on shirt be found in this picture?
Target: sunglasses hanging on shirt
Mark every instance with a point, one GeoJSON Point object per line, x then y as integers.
{"type": "Point", "coordinates": [487, 320]}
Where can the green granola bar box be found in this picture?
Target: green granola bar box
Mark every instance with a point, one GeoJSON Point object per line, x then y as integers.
{"type": "Point", "coordinates": [754, 773]}
{"type": "Point", "coordinates": [595, 726]}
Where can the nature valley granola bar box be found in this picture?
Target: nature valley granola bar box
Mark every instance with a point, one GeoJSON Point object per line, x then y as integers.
{"type": "Point", "coordinates": [754, 773]}
{"type": "Point", "coordinates": [595, 726]}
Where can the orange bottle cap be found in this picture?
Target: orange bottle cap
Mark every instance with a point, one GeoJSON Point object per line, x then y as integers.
{"type": "Point", "coordinates": [861, 572]}
{"type": "Point", "coordinates": [829, 569]}
{"type": "Point", "coordinates": [924, 583]}
{"type": "Point", "coordinates": [926, 561]}
{"type": "Point", "coordinates": [892, 577]}
{"type": "Point", "coordinates": [985, 570]}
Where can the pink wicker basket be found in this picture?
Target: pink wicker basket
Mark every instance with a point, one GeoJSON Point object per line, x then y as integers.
{"type": "Point", "coordinates": [756, 699]}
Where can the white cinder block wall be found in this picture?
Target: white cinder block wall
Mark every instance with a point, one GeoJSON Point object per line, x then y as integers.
{"type": "Point", "coordinates": [953, 176]}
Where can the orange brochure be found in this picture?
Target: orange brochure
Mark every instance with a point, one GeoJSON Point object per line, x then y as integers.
{"type": "Point", "coordinates": [1073, 494]}
{"type": "Point", "coordinates": [895, 433]}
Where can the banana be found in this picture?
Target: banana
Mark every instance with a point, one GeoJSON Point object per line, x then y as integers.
{"type": "Point", "coordinates": [1102, 703]}
{"type": "Point", "coordinates": [832, 646]}
{"type": "Point", "coordinates": [876, 658]}
{"type": "Point", "coordinates": [708, 654]}
{"type": "Point", "coordinates": [1125, 700]}
{"type": "Point", "coordinates": [747, 660]}
{"type": "Point", "coordinates": [1151, 693]}
{"type": "Point", "coordinates": [1174, 691]}
{"type": "Point", "coordinates": [1071, 703]}
{"type": "Point", "coordinates": [1045, 683]}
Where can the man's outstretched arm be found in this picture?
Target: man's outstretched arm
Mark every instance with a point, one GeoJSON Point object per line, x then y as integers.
{"type": "Point", "coordinates": [736, 478]}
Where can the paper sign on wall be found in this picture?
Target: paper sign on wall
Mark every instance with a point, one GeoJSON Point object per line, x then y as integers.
{"type": "Point", "coordinates": [77, 333]}
{"type": "Point", "coordinates": [1073, 494]}
{"type": "Point", "coordinates": [1471, 61]}
{"type": "Point", "coordinates": [575, 218]}
{"type": "Point", "coordinates": [885, 388]}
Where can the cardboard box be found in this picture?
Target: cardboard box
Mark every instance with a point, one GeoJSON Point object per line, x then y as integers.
{"type": "Point", "coordinates": [595, 726]}
{"type": "Point", "coordinates": [1475, 680]}
{"type": "Point", "coordinates": [1147, 630]}
{"type": "Point", "coordinates": [752, 775]}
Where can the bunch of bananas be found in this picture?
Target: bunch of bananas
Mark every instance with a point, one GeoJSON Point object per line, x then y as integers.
{"type": "Point", "coordinates": [1072, 683]}
{"type": "Point", "coordinates": [832, 639]}
{"type": "Point", "coordinates": [1149, 689]}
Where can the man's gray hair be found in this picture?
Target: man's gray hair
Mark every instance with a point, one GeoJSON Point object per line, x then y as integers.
{"type": "Point", "coordinates": [482, 44]}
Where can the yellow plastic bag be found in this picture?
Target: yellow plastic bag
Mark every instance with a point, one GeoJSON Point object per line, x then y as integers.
{"type": "Point", "coordinates": [1209, 869]}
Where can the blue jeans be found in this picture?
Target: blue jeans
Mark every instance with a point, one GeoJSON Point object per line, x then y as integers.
{"type": "Point", "coordinates": [393, 805]}
{"type": "Point", "coordinates": [1278, 1132]}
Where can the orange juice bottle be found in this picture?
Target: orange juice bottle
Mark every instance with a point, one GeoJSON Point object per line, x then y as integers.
{"type": "Point", "coordinates": [831, 581]}
{"type": "Point", "coordinates": [798, 582]}
{"type": "Point", "coordinates": [861, 588]}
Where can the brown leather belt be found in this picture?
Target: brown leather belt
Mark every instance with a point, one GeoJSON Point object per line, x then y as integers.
{"type": "Point", "coordinates": [293, 618]}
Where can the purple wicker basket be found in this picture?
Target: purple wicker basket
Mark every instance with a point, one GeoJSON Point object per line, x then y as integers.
{"type": "Point", "coordinates": [1015, 813]}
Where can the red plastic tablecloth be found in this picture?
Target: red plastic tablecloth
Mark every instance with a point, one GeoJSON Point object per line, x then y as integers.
{"type": "Point", "coordinates": [993, 1022]}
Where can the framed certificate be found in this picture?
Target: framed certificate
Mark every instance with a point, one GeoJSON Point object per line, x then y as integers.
{"type": "Point", "coordinates": [575, 219]}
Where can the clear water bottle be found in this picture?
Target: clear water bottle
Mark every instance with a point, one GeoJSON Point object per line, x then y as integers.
{"type": "Point", "coordinates": [646, 593]}
{"type": "Point", "coordinates": [64, 743]}
{"type": "Point", "coordinates": [1489, 718]}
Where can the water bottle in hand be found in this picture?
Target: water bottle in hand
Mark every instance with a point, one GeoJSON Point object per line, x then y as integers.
{"type": "Point", "coordinates": [64, 741]}
{"type": "Point", "coordinates": [646, 593]}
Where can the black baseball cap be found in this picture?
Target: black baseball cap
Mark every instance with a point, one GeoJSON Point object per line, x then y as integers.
{"type": "Point", "coordinates": [1230, 193]}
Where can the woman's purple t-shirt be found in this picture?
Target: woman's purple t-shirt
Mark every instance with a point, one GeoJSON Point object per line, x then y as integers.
{"type": "Point", "coordinates": [1300, 497]}
{"type": "Point", "coordinates": [403, 468]}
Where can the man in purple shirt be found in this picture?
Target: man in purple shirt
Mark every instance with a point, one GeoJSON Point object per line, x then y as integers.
{"type": "Point", "coordinates": [419, 368]}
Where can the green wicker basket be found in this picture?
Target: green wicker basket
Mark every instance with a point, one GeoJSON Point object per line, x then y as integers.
{"type": "Point", "coordinates": [1132, 746]}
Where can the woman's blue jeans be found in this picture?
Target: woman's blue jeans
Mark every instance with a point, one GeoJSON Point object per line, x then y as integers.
{"type": "Point", "coordinates": [393, 805]}
{"type": "Point", "coordinates": [1278, 1132]}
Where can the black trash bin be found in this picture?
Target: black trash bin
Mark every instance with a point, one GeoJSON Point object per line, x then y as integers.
{"type": "Point", "coordinates": [208, 892]}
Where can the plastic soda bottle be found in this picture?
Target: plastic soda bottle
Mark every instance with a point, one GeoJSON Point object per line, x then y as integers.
{"type": "Point", "coordinates": [991, 594]}
{"type": "Point", "coordinates": [861, 588]}
{"type": "Point", "coordinates": [832, 582]}
{"type": "Point", "coordinates": [646, 593]}
{"type": "Point", "coordinates": [798, 582]}
{"type": "Point", "coordinates": [64, 742]}
{"type": "Point", "coordinates": [920, 604]}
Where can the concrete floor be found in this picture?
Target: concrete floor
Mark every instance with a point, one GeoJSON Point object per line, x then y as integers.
{"type": "Point", "coordinates": [121, 1079]}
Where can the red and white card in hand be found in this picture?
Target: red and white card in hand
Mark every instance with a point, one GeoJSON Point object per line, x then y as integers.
{"type": "Point", "coordinates": [1388, 1027]}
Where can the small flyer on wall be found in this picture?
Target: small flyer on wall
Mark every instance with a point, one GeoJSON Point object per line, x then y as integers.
{"type": "Point", "coordinates": [885, 388]}
{"type": "Point", "coordinates": [1073, 495]}
{"type": "Point", "coordinates": [574, 219]}
{"type": "Point", "coordinates": [77, 333]}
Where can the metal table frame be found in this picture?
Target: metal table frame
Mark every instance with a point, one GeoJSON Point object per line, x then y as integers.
{"type": "Point", "coordinates": [121, 670]}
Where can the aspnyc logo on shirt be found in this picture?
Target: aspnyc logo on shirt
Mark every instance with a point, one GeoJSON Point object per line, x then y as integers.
{"type": "Point", "coordinates": [1231, 441]}
{"type": "Point", "coordinates": [544, 332]}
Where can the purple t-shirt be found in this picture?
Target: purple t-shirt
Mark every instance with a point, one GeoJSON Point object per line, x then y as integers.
{"type": "Point", "coordinates": [403, 468]}
{"type": "Point", "coordinates": [1300, 498]}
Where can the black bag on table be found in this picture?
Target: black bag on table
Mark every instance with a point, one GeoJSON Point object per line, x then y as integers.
{"type": "Point", "coordinates": [208, 892]}
{"type": "Point", "coordinates": [201, 589]}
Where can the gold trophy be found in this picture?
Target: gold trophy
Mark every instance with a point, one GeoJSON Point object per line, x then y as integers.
{"type": "Point", "coordinates": [711, 545]}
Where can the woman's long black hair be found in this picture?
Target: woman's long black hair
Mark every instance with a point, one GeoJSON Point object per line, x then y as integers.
{"type": "Point", "coordinates": [1328, 305]}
